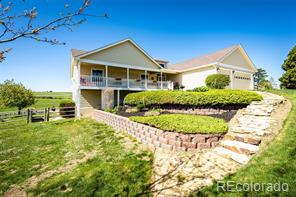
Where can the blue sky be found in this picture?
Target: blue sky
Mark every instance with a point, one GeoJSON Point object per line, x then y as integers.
{"type": "Point", "coordinates": [175, 30]}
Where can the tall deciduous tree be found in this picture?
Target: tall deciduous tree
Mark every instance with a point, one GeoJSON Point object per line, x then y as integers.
{"type": "Point", "coordinates": [25, 24]}
{"type": "Point", "coordinates": [15, 95]}
{"type": "Point", "coordinates": [288, 79]}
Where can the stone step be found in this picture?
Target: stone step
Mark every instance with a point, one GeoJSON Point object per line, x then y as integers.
{"type": "Point", "coordinates": [240, 147]}
{"type": "Point", "coordinates": [240, 158]}
{"type": "Point", "coordinates": [254, 120]}
{"type": "Point", "coordinates": [253, 125]}
{"type": "Point", "coordinates": [247, 138]}
{"type": "Point", "coordinates": [262, 107]}
{"type": "Point", "coordinates": [256, 131]}
{"type": "Point", "coordinates": [254, 113]}
{"type": "Point", "coordinates": [258, 103]}
{"type": "Point", "coordinates": [259, 110]}
{"type": "Point", "coordinates": [256, 117]}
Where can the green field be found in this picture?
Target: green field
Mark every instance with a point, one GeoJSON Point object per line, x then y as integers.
{"type": "Point", "coordinates": [276, 164]}
{"type": "Point", "coordinates": [45, 99]}
{"type": "Point", "coordinates": [72, 158]}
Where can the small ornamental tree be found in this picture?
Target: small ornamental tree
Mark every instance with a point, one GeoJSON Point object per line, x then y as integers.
{"type": "Point", "coordinates": [259, 76]}
{"type": "Point", "coordinates": [265, 85]}
{"type": "Point", "coordinates": [288, 79]}
{"type": "Point", "coordinates": [15, 95]}
{"type": "Point", "coordinates": [217, 81]}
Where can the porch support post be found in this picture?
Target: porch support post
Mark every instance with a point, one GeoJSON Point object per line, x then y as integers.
{"type": "Point", "coordinates": [106, 75]}
{"type": "Point", "coordinates": [78, 93]}
{"type": "Point", "coordinates": [118, 97]}
{"type": "Point", "coordinates": [78, 74]}
{"type": "Point", "coordinates": [161, 86]}
{"type": "Point", "coordinates": [127, 77]}
{"type": "Point", "coordinates": [146, 79]}
{"type": "Point", "coordinates": [231, 78]}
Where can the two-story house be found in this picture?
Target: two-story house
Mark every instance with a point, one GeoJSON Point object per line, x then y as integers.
{"type": "Point", "coordinates": [102, 77]}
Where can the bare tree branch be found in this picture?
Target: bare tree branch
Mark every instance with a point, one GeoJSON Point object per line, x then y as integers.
{"type": "Point", "coordinates": [10, 32]}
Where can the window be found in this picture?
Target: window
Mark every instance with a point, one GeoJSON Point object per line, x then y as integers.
{"type": "Point", "coordinates": [142, 77]}
{"type": "Point", "coordinates": [162, 65]}
{"type": "Point", "coordinates": [159, 77]}
{"type": "Point", "coordinates": [97, 73]}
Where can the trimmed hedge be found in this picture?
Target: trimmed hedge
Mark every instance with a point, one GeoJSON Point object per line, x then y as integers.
{"type": "Point", "coordinates": [200, 89]}
{"type": "Point", "coordinates": [183, 123]}
{"type": "Point", "coordinates": [209, 98]}
{"type": "Point", "coordinates": [217, 81]}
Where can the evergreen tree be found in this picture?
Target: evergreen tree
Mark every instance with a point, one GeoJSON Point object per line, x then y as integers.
{"type": "Point", "coordinates": [259, 76]}
{"type": "Point", "coordinates": [288, 79]}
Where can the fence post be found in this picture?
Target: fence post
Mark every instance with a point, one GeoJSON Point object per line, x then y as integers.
{"type": "Point", "coordinates": [45, 115]}
{"type": "Point", "coordinates": [28, 116]}
{"type": "Point", "coordinates": [48, 114]}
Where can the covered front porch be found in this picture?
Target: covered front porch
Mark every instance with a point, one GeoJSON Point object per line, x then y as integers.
{"type": "Point", "coordinates": [100, 76]}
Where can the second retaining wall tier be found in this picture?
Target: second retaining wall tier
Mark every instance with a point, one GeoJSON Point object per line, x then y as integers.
{"type": "Point", "coordinates": [156, 137]}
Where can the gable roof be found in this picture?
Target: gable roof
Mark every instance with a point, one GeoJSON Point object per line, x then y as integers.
{"type": "Point", "coordinates": [203, 60]}
{"type": "Point", "coordinates": [81, 54]}
{"type": "Point", "coordinates": [76, 52]}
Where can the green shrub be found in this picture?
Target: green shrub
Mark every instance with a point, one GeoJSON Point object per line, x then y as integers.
{"type": "Point", "coordinates": [264, 85]}
{"type": "Point", "coordinates": [132, 110]}
{"type": "Point", "coordinates": [115, 110]}
{"type": "Point", "coordinates": [67, 109]}
{"type": "Point", "coordinates": [140, 106]}
{"type": "Point", "coordinates": [200, 89]}
{"type": "Point", "coordinates": [217, 81]}
{"type": "Point", "coordinates": [184, 123]}
{"type": "Point", "coordinates": [209, 98]}
{"type": "Point", "coordinates": [153, 112]}
{"type": "Point", "coordinates": [108, 110]}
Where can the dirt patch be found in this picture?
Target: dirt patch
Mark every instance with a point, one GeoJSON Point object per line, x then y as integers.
{"type": "Point", "coordinates": [16, 191]}
{"type": "Point", "coordinates": [20, 191]}
{"type": "Point", "coordinates": [131, 143]}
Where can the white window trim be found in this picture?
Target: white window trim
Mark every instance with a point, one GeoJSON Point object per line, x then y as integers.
{"type": "Point", "coordinates": [144, 75]}
{"type": "Point", "coordinates": [92, 69]}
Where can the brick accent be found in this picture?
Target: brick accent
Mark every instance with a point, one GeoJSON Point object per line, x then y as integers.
{"type": "Point", "coordinates": [157, 138]}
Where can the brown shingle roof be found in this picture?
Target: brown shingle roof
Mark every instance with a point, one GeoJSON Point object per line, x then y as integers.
{"type": "Point", "coordinates": [76, 52]}
{"type": "Point", "coordinates": [202, 60]}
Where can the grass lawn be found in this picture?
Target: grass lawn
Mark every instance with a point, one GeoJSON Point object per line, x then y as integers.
{"type": "Point", "coordinates": [45, 99]}
{"type": "Point", "coordinates": [184, 123]}
{"type": "Point", "coordinates": [72, 158]}
{"type": "Point", "coordinates": [277, 163]}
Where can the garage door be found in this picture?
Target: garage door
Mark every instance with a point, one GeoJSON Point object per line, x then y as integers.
{"type": "Point", "coordinates": [242, 81]}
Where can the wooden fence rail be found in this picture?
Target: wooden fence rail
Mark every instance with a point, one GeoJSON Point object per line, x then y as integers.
{"type": "Point", "coordinates": [36, 115]}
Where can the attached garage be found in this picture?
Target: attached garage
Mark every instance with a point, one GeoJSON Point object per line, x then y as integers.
{"type": "Point", "coordinates": [242, 81]}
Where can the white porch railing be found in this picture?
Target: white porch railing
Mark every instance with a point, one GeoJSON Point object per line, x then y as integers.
{"type": "Point", "coordinates": [134, 83]}
{"type": "Point", "coordinates": [92, 81]}
{"type": "Point", "coordinates": [98, 81]}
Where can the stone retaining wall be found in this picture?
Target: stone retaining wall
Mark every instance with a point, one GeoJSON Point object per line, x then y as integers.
{"type": "Point", "coordinates": [158, 138]}
{"type": "Point", "coordinates": [226, 114]}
